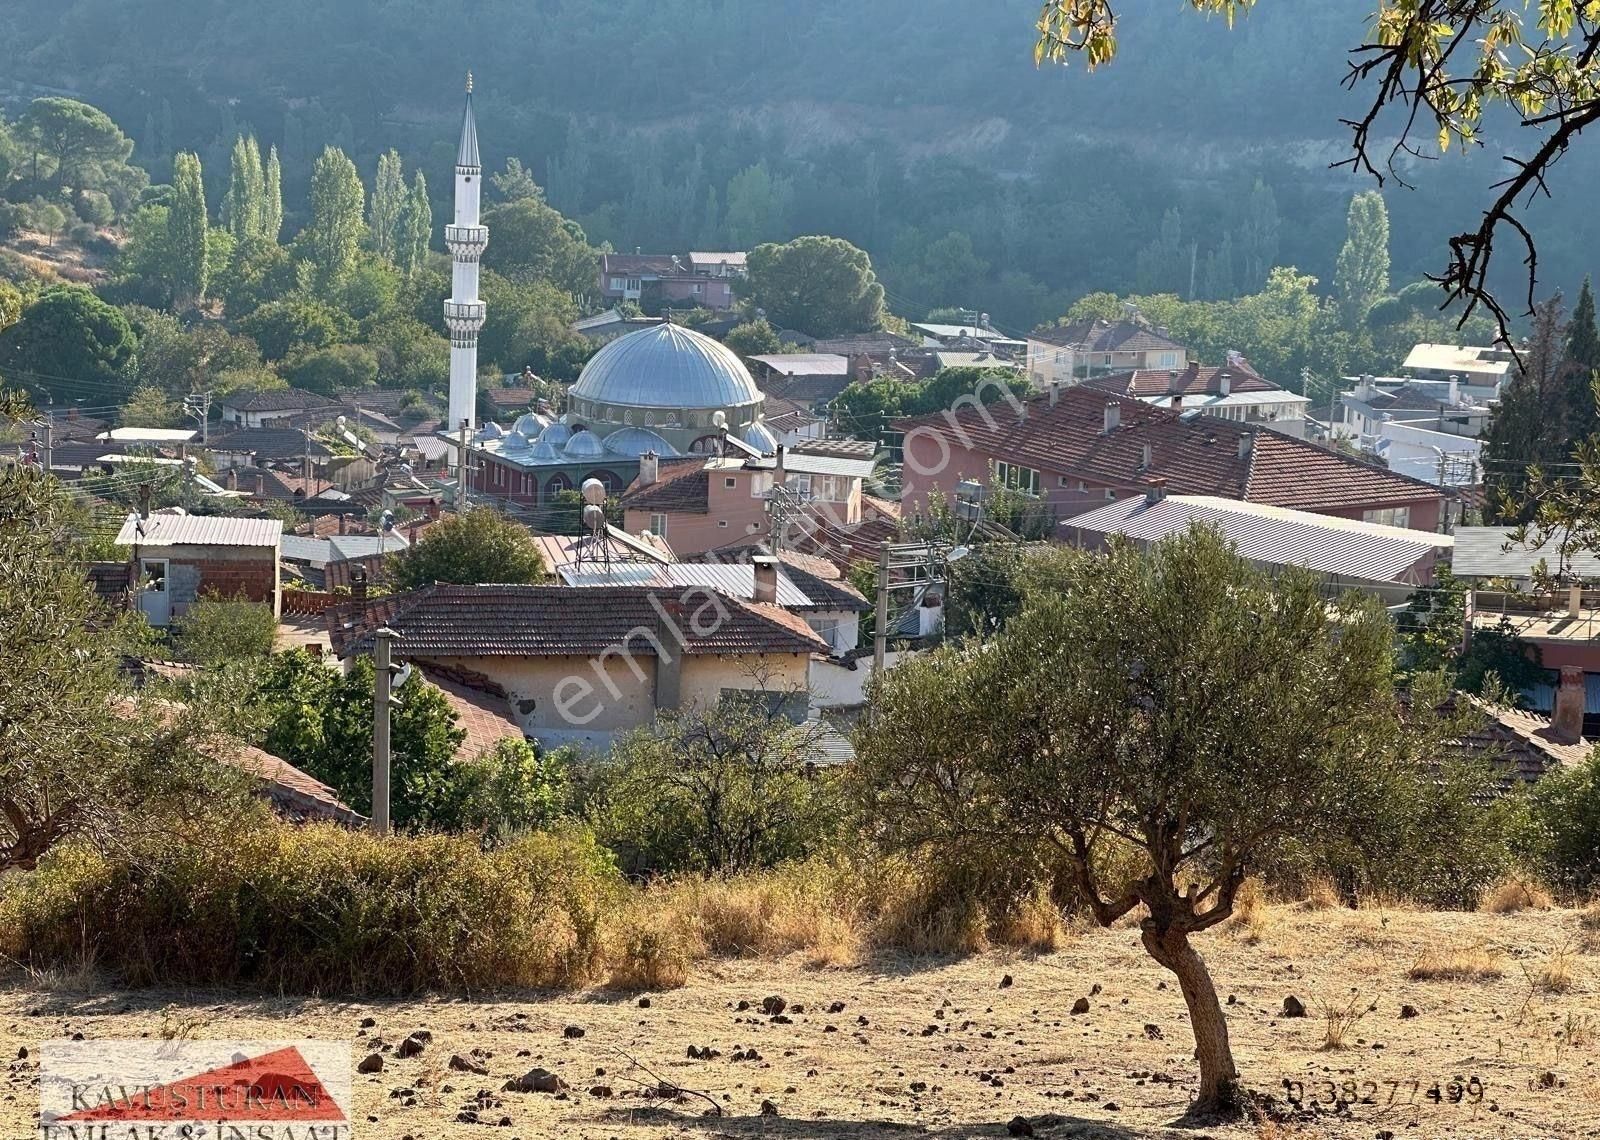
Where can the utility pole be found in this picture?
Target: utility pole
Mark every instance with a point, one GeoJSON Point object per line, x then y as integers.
{"type": "Point", "coordinates": [880, 622]}
{"type": "Point", "coordinates": [461, 469]}
{"type": "Point", "coordinates": [198, 406]}
{"type": "Point", "coordinates": [383, 701]}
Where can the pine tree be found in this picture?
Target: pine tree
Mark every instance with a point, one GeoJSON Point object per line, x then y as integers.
{"type": "Point", "coordinates": [388, 202]}
{"type": "Point", "coordinates": [1361, 275]}
{"type": "Point", "coordinates": [272, 197]}
{"type": "Point", "coordinates": [187, 230]}
{"type": "Point", "coordinates": [416, 228]}
{"type": "Point", "coordinates": [1583, 368]}
{"type": "Point", "coordinates": [333, 238]}
{"type": "Point", "coordinates": [1525, 430]}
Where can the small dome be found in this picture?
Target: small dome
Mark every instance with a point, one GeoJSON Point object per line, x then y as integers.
{"type": "Point", "coordinates": [515, 441]}
{"type": "Point", "coordinates": [556, 435]}
{"type": "Point", "coordinates": [532, 424]}
{"type": "Point", "coordinates": [542, 452]}
{"type": "Point", "coordinates": [758, 436]}
{"type": "Point", "coordinates": [585, 445]}
{"type": "Point", "coordinates": [634, 442]}
{"type": "Point", "coordinates": [490, 430]}
{"type": "Point", "coordinates": [666, 366]}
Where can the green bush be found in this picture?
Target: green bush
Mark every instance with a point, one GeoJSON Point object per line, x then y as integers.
{"type": "Point", "coordinates": [512, 789]}
{"type": "Point", "coordinates": [322, 910]}
{"type": "Point", "coordinates": [217, 630]}
{"type": "Point", "coordinates": [1565, 832]}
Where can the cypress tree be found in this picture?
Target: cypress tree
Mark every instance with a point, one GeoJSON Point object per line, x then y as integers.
{"type": "Point", "coordinates": [272, 198]}
{"type": "Point", "coordinates": [1583, 367]}
{"type": "Point", "coordinates": [241, 205]}
{"type": "Point", "coordinates": [1361, 274]}
{"type": "Point", "coordinates": [187, 229]}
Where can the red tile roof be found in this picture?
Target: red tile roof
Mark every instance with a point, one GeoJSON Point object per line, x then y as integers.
{"type": "Point", "coordinates": [1195, 454]}
{"type": "Point", "coordinates": [295, 795]}
{"type": "Point", "coordinates": [1191, 381]}
{"type": "Point", "coordinates": [681, 485]}
{"type": "Point", "coordinates": [482, 711]}
{"type": "Point", "coordinates": [558, 621]}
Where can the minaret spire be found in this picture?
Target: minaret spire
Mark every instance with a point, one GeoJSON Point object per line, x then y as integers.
{"type": "Point", "coordinates": [466, 239]}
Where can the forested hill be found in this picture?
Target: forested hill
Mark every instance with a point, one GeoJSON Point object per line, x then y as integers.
{"type": "Point", "coordinates": [920, 130]}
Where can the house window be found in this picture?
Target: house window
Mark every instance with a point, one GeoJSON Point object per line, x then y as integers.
{"type": "Point", "coordinates": [617, 284]}
{"type": "Point", "coordinates": [1017, 478]}
{"type": "Point", "coordinates": [730, 481]}
{"type": "Point", "coordinates": [1389, 516]}
{"type": "Point", "coordinates": [1111, 493]}
{"type": "Point", "coordinates": [699, 288]}
{"type": "Point", "coordinates": [825, 628]}
{"type": "Point", "coordinates": [723, 523]}
{"type": "Point", "coordinates": [633, 284]}
{"type": "Point", "coordinates": [658, 525]}
{"type": "Point", "coordinates": [800, 485]}
{"type": "Point", "coordinates": [760, 484]}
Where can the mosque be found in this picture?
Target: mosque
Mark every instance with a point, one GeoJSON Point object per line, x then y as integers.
{"type": "Point", "coordinates": [664, 390]}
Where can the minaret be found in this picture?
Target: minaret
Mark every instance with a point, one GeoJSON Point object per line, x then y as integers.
{"type": "Point", "coordinates": [463, 312]}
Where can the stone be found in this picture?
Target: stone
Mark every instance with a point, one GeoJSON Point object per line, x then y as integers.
{"type": "Point", "coordinates": [1293, 1007]}
{"type": "Point", "coordinates": [774, 1005]}
{"type": "Point", "coordinates": [572, 1032]}
{"type": "Point", "coordinates": [644, 1003]}
{"type": "Point", "coordinates": [1153, 1032]}
{"type": "Point", "coordinates": [371, 1063]}
{"type": "Point", "coordinates": [1408, 1011]}
{"type": "Point", "coordinates": [466, 1065]}
{"type": "Point", "coordinates": [601, 1091]}
{"type": "Point", "coordinates": [1094, 990]}
{"type": "Point", "coordinates": [536, 1080]}
{"type": "Point", "coordinates": [1005, 983]}
{"type": "Point", "coordinates": [410, 1047]}
{"type": "Point", "coordinates": [368, 1022]}
{"type": "Point", "coordinates": [1019, 1126]}
{"type": "Point", "coordinates": [1081, 1005]}
{"type": "Point", "coordinates": [768, 1108]}
{"type": "Point", "coordinates": [836, 1007]}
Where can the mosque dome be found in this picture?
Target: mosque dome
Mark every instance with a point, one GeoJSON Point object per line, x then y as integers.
{"type": "Point", "coordinates": [543, 452]}
{"type": "Point", "coordinates": [490, 430]}
{"type": "Point", "coordinates": [666, 366]}
{"type": "Point", "coordinates": [633, 442]}
{"type": "Point", "coordinates": [556, 435]}
{"type": "Point", "coordinates": [515, 441]}
{"type": "Point", "coordinates": [584, 445]}
{"type": "Point", "coordinates": [531, 424]}
{"type": "Point", "coordinates": [760, 437]}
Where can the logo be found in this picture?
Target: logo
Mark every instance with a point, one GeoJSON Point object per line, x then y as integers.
{"type": "Point", "coordinates": [194, 1090]}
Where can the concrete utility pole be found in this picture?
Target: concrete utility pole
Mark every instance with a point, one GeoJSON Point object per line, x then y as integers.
{"type": "Point", "coordinates": [198, 406]}
{"type": "Point", "coordinates": [461, 467]}
{"type": "Point", "coordinates": [383, 701]}
{"type": "Point", "coordinates": [880, 623]}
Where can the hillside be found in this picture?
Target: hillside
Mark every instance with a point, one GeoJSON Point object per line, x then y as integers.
{"type": "Point", "coordinates": [947, 1048]}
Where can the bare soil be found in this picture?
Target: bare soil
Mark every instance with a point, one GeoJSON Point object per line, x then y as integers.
{"type": "Point", "coordinates": [947, 1049]}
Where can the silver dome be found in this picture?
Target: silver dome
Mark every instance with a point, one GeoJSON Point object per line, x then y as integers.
{"type": "Point", "coordinates": [543, 452]}
{"type": "Point", "coordinates": [760, 437]}
{"type": "Point", "coordinates": [515, 441]}
{"type": "Point", "coordinates": [666, 366]}
{"type": "Point", "coordinates": [531, 424]}
{"type": "Point", "coordinates": [556, 435]}
{"type": "Point", "coordinates": [490, 430]}
{"type": "Point", "coordinates": [585, 445]}
{"type": "Point", "coordinates": [634, 442]}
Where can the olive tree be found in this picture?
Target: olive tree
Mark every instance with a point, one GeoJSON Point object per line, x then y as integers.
{"type": "Point", "coordinates": [1179, 703]}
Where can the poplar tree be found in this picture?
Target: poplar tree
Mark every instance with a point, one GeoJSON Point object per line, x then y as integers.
{"type": "Point", "coordinates": [272, 198]}
{"type": "Point", "coordinates": [1361, 274]}
{"type": "Point", "coordinates": [187, 229]}
{"type": "Point", "coordinates": [243, 205]}
{"type": "Point", "coordinates": [1583, 366]}
{"type": "Point", "coordinates": [333, 238]}
{"type": "Point", "coordinates": [388, 205]}
{"type": "Point", "coordinates": [416, 227]}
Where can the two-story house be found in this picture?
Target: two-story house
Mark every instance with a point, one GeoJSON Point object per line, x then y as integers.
{"type": "Point", "coordinates": [1073, 353]}
{"type": "Point", "coordinates": [1235, 391]}
{"type": "Point", "coordinates": [655, 280]}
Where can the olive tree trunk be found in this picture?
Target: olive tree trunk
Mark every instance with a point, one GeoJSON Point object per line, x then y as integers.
{"type": "Point", "coordinates": [1219, 1078]}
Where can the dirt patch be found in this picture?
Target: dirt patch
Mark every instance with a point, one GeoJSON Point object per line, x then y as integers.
{"type": "Point", "coordinates": [895, 1047]}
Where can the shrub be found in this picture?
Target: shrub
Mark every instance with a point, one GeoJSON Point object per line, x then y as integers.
{"type": "Point", "coordinates": [1514, 894]}
{"type": "Point", "coordinates": [1565, 807]}
{"type": "Point", "coordinates": [321, 910]}
{"type": "Point", "coordinates": [1456, 964]}
{"type": "Point", "coordinates": [512, 789]}
{"type": "Point", "coordinates": [218, 630]}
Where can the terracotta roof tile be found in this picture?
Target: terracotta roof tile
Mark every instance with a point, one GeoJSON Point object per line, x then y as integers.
{"type": "Point", "coordinates": [1108, 336]}
{"type": "Point", "coordinates": [681, 485]}
{"type": "Point", "coordinates": [1191, 381]}
{"type": "Point", "coordinates": [484, 715]}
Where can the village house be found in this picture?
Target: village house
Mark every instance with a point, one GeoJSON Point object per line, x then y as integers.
{"type": "Point", "coordinates": [654, 280]}
{"type": "Point", "coordinates": [1234, 391]}
{"type": "Point", "coordinates": [1480, 367]}
{"type": "Point", "coordinates": [1079, 448]}
{"type": "Point", "coordinates": [583, 665]}
{"type": "Point", "coordinates": [1082, 349]}
{"type": "Point", "coordinates": [260, 408]}
{"type": "Point", "coordinates": [806, 380]}
{"type": "Point", "coordinates": [180, 557]}
{"type": "Point", "coordinates": [1428, 429]}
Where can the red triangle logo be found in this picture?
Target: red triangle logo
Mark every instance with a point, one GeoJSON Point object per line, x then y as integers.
{"type": "Point", "coordinates": [276, 1086]}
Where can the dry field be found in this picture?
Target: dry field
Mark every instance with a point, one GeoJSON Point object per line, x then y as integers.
{"type": "Point", "coordinates": [1505, 1004]}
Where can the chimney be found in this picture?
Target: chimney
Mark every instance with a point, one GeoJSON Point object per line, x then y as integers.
{"type": "Point", "coordinates": [1566, 719]}
{"type": "Point", "coordinates": [1246, 443]}
{"type": "Point", "coordinates": [433, 508]}
{"type": "Point", "coordinates": [233, 478]}
{"type": "Point", "coordinates": [261, 483]}
{"type": "Point", "coordinates": [1364, 389]}
{"type": "Point", "coordinates": [1144, 457]}
{"type": "Point", "coordinates": [72, 413]}
{"type": "Point", "coordinates": [1055, 392]}
{"type": "Point", "coordinates": [1177, 401]}
{"type": "Point", "coordinates": [1575, 600]}
{"type": "Point", "coordinates": [1224, 382]}
{"type": "Point", "coordinates": [1113, 416]}
{"type": "Point", "coordinates": [1155, 491]}
{"type": "Point", "coordinates": [779, 475]}
{"type": "Point", "coordinates": [1455, 390]}
{"type": "Point", "coordinates": [358, 583]}
{"type": "Point", "coordinates": [344, 524]}
{"type": "Point", "coordinates": [649, 468]}
{"type": "Point", "coordinates": [669, 656]}
{"type": "Point", "coordinates": [766, 579]}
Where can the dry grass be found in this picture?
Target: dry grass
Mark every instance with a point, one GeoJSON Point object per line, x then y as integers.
{"type": "Point", "coordinates": [1322, 894]}
{"type": "Point", "coordinates": [1251, 918]}
{"type": "Point", "coordinates": [648, 956]}
{"type": "Point", "coordinates": [1513, 895]}
{"type": "Point", "coordinates": [1339, 1020]}
{"type": "Point", "coordinates": [1457, 964]}
{"type": "Point", "coordinates": [1556, 976]}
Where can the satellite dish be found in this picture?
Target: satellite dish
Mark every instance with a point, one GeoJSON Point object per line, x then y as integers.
{"type": "Point", "coordinates": [340, 422]}
{"type": "Point", "coordinates": [594, 492]}
{"type": "Point", "coordinates": [594, 517]}
{"type": "Point", "coordinates": [719, 419]}
{"type": "Point", "coordinates": [387, 521]}
{"type": "Point", "coordinates": [957, 553]}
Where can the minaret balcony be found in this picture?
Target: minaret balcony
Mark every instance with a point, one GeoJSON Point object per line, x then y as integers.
{"type": "Point", "coordinates": [465, 316]}
{"type": "Point", "coordinates": [466, 242]}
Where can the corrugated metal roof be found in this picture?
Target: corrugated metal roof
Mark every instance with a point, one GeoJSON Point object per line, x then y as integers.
{"type": "Point", "coordinates": [200, 530]}
{"type": "Point", "coordinates": [801, 464]}
{"type": "Point", "coordinates": [1273, 536]}
{"type": "Point", "coordinates": [735, 579]}
{"type": "Point", "coordinates": [1479, 555]}
{"type": "Point", "coordinates": [806, 363]}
